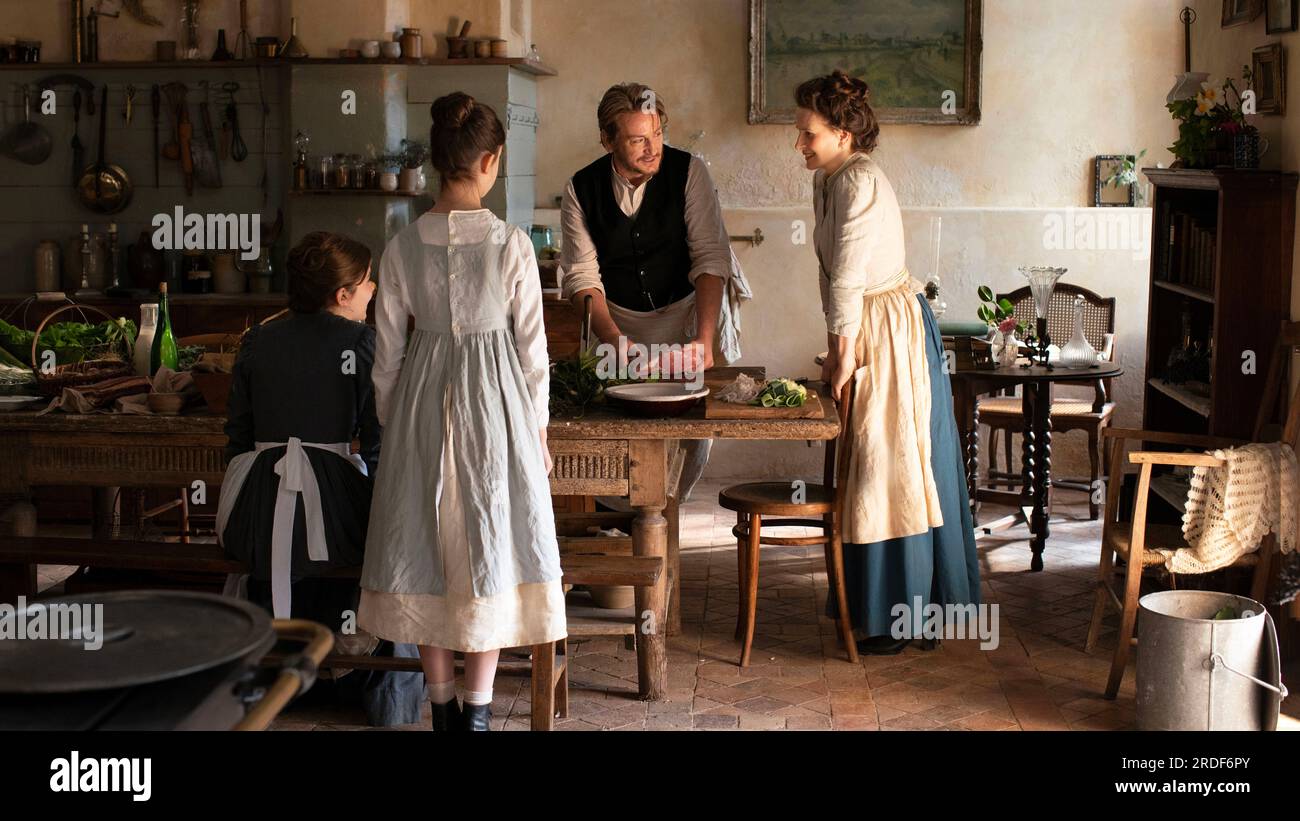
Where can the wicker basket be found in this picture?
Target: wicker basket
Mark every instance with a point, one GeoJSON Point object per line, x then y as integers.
{"type": "Point", "coordinates": [86, 372]}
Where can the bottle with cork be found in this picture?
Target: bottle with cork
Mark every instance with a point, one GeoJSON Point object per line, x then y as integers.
{"type": "Point", "coordinates": [164, 353]}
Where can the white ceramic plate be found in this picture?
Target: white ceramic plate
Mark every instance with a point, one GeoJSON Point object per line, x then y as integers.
{"type": "Point", "coordinates": [17, 403]}
{"type": "Point", "coordinates": [656, 398]}
{"type": "Point", "coordinates": [655, 392]}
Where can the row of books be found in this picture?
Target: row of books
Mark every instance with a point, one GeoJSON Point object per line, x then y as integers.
{"type": "Point", "coordinates": [1190, 251]}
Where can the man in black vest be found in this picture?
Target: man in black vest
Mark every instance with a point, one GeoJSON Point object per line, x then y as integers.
{"type": "Point", "coordinates": [644, 237]}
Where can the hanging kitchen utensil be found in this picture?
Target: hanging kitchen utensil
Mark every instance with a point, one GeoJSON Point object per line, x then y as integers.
{"type": "Point", "coordinates": [87, 88]}
{"type": "Point", "coordinates": [78, 150]}
{"type": "Point", "coordinates": [27, 142]}
{"type": "Point", "coordinates": [238, 148]}
{"type": "Point", "coordinates": [155, 102]}
{"type": "Point", "coordinates": [178, 147]}
{"type": "Point", "coordinates": [206, 167]}
{"type": "Point", "coordinates": [243, 43]}
{"type": "Point", "coordinates": [266, 113]}
{"type": "Point", "coordinates": [104, 187]}
{"type": "Point", "coordinates": [185, 136]}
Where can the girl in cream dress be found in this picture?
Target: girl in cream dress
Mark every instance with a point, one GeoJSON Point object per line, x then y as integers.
{"type": "Point", "coordinates": [906, 516]}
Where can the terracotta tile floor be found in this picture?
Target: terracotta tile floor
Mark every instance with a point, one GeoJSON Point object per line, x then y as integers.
{"type": "Point", "coordinates": [1038, 678]}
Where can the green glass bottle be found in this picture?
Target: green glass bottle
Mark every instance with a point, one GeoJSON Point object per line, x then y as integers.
{"type": "Point", "coordinates": [164, 351]}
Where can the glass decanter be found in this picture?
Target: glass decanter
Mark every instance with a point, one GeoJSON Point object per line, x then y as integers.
{"type": "Point", "coordinates": [1078, 353]}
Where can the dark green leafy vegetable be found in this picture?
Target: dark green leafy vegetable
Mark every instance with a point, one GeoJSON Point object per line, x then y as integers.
{"type": "Point", "coordinates": [574, 384]}
{"type": "Point", "coordinates": [782, 393]}
{"type": "Point", "coordinates": [71, 341]}
{"type": "Point", "coordinates": [187, 355]}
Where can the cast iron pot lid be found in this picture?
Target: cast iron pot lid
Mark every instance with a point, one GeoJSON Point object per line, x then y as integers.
{"type": "Point", "coordinates": [147, 636]}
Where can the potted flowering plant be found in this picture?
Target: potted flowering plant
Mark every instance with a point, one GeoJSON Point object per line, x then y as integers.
{"type": "Point", "coordinates": [1208, 123]}
{"type": "Point", "coordinates": [1000, 314]}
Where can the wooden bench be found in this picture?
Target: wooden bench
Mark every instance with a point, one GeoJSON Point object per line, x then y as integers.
{"type": "Point", "coordinates": [19, 557]}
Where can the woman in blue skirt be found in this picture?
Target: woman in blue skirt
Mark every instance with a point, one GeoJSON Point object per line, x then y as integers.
{"type": "Point", "coordinates": [908, 537]}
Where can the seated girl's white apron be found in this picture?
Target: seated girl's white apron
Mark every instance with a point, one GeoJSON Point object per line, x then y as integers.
{"type": "Point", "coordinates": [296, 477]}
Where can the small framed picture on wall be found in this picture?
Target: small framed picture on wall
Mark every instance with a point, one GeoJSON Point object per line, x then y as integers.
{"type": "Point", "coordinates": [1268, 72]}
{"type": "Point", "coordinates": [1236, 12]}
{"type": "Point", "coordinates": [1280, 15]}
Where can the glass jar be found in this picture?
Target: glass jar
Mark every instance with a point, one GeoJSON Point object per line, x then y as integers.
{"type": "Point", "coordinates": [197, 276]}
{"type": "Point", "coordinates": [360, 173]}
{"type": "Point", "coordinates": [342, 171]}
{"type": "Point", "coordinates": [47, 265]}
{"type": "Point", "coordinates": [324, 172]}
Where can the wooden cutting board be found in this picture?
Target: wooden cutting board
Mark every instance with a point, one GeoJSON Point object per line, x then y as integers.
{"type": "Point", "coordinates": [717, 409]}
{"type": "Point", "coordinates": [714, 408]}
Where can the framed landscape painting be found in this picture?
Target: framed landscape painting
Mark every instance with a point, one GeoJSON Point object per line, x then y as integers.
{"type": "Point", "coordinates": [920, 57]}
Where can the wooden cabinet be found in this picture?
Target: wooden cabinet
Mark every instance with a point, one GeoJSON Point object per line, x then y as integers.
{"type": "Point", "coordinates": [1221, 258]}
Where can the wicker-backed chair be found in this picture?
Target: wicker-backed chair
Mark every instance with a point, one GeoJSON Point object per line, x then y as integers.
{"type": "Point", "coordinates": [1004, 413]}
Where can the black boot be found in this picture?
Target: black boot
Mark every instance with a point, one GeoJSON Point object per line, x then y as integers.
{"type": "Point", "coordinates": [882, 645]}
{"type": "Point", "coordinates": [446, 717]}
{"type": "Point", "coordinates": [477, 717]}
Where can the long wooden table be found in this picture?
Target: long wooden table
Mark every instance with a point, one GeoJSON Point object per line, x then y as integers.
{"type": "Point", "coordinates": [607, 452]}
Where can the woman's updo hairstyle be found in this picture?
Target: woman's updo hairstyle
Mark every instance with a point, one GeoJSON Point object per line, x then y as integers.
{"type": "Point", "coordinates": [319, 265]}
{"type": "Point", "coordinates": [845, 103]}
{"type": "Point", "coordinates": [463, 130]}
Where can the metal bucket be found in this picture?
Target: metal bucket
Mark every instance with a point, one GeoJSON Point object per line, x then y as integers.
{"type": "Point", "coordinates": [1198, 673]}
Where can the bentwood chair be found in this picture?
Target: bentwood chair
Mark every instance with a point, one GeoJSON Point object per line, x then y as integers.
{"type": "Point", "coordinates": [1003, 414]}
{"type": "Point", "coordinates": [816, 506]}
{"type": "Point", "coordinates": [1134, 542]}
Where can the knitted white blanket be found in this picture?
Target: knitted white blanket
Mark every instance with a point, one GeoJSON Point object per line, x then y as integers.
{"type": "Point", "coordinates": [1230, 509]}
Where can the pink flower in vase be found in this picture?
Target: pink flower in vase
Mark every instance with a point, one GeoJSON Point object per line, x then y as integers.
{"type": "Point", "coordinates": [1007, 325]}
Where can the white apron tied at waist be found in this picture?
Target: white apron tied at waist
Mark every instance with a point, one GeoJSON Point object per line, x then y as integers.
{"type": "Point", "coordinates": [296, 477]}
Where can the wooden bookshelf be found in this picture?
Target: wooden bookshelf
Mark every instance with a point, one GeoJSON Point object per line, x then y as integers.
{"type": "Point", "coordinates": [1221, 253]}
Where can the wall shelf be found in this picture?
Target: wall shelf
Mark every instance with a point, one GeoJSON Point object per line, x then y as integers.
{"type": "Point", "coordinates": [1185, 290]}
{"type": "Point", "coordinates": [529, 66]}
{"type": "Point", "coordinates": [357, 192]}
{"type": "Point", "coordinates": [1184, 397]}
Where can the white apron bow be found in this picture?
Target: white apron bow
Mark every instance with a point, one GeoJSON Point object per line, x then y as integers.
{"type": "Point", "coordinates": [296, 477]}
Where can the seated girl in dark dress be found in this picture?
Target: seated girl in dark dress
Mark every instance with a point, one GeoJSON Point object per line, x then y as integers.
{"type": "Point", "coordinates": [295, 502]}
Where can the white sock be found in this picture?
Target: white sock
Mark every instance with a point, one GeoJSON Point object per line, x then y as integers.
{"type": "Point", "coordinates": [440, 692]}
{"type": "Point", "coordinates": [478, 697]}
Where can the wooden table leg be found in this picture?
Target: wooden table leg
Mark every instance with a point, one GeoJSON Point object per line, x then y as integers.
{"type": "Point", "coordinates": [19, 519]}
{"type": "Point", "coordinates": [647, 474]}
{"type": "Point", "coordinates": [1038, 481]}
{"type": "Point", "coordinates": [674, 568]}
{"type": "Point", "coordinates": [967, 416]}
{"type": "Point", "coordinates": [105, 512]}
